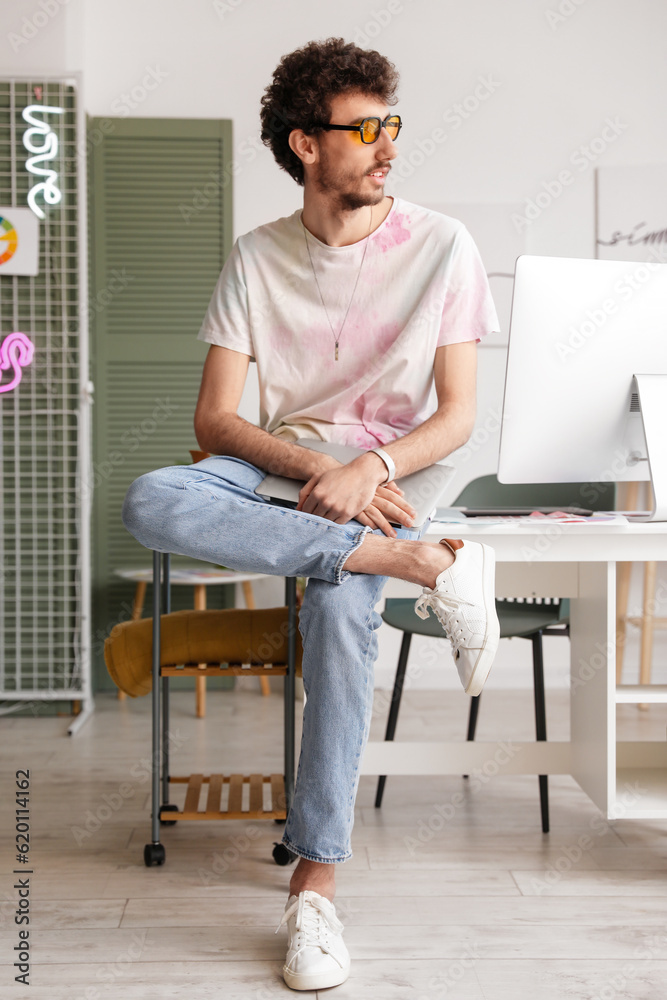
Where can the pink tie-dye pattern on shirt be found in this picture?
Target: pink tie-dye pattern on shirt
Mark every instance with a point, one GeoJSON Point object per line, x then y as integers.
{"type": "Point", "coordinates": [392, 234]}
{"type": "Point", "coordinates": [359, 437]}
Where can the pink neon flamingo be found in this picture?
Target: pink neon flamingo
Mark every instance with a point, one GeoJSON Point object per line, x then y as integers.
{"type": "Point", "coordinates": [16, 352]}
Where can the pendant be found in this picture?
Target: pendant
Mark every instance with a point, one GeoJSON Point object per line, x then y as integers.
{"type": "Point", "coordinates": [336, 354]}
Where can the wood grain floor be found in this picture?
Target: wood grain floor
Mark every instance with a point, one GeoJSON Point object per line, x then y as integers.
{"type": "Point", "coordinates": [472, 902]}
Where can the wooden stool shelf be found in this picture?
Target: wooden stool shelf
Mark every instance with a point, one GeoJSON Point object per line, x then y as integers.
{"type": "Point", "coordinates": [221, 670]}
{"type": "Point", "coordinates": [213, 806]}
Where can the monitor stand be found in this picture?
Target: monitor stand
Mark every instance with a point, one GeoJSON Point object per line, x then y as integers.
{"type": "Point", "coordinates": [652, 393]}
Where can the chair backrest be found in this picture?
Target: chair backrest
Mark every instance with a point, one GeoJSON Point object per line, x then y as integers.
{"type": "Point", "coordinates": [487, 491]}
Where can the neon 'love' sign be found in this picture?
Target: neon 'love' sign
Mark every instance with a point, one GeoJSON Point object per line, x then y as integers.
{"type": "Point", "coordinates": [16, 352]}
{"type": "Point", "coordinates": [47, 150]}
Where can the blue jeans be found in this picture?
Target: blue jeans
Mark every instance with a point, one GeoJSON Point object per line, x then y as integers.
{"type": "Point", "coordinates": [210, 511]}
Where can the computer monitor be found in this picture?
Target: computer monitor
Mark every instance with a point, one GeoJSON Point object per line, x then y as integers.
{"type": "Point", "coordinates": [586, 380]}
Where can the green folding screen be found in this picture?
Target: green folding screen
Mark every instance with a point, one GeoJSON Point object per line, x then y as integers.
{"type": "Point", "coordinates": [161, 227]}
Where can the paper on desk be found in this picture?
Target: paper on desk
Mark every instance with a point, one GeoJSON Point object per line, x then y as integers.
{"type": "Point", "coordinates": [598, 517]}
{"type": "Point", "coordinates": [449, 515]}
{"type": "Point", "coordinates": [534, 521]}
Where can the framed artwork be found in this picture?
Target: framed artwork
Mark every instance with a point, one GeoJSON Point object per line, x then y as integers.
{"type": "Point", "coordinates": [631, 213]}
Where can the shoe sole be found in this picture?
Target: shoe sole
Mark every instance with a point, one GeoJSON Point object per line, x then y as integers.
{"type": "Point", "coordinates": [489, 649]}
{"type": "Point", "coordinates": [319, 981]}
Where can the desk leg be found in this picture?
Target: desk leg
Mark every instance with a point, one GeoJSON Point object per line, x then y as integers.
{"type": "Point", "coordinates": [137, 609]}
{"type": "Point", "coordinates": [200, 682]}
{"type": "Point", "coordinates": [593, 684]}
{"type": "Point", "coordinates": [249, 598]}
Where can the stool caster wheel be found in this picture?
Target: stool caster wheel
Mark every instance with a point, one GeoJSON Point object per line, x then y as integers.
{"type": "Point", "coordinates": [282, 855]}
{"type": "Point", "coordinates": [168, 808]}
{"type": "Point", "coordinates": [154, 854]}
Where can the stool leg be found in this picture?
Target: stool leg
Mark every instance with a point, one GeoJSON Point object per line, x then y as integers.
{"type": "Point", "coordinates": [139, 598]}
{"type": "Point", "coordinates": [540, 723]}
{"type": "Point", "coordinates": [155, 699]}
{"type": "Point", "coordinates": [627, 499]}
{"type": "Point", "coordinates": [648, 625]}
{"type": "Point", "coordinates": [289, 690]}
{"type": "Point", "coordinates": [395, 705]}
{"type": "Point", "coordinates": [166, 609]}
{"type": "Point", "coordinates": [137, 608]}
{"type": "Point", "coordinates": [623, 576]}
{"type": "Point", "coordinates": [200, 682]}
{"type": "Point", "coordinates": [249, 598]}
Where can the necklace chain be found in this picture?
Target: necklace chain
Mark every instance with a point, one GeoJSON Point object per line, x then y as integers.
{"type": "Point", "coordinates": [326, 313]}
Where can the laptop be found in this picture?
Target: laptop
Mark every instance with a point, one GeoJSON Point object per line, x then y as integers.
{"type": "Point", "coordinates": [422, 489]}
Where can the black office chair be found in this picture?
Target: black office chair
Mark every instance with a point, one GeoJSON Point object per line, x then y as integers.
{"type": "Point", "coordinates": [518, 619]}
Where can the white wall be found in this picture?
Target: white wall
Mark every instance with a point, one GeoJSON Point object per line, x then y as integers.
{"type": "Point", "coordinates": [554, 84]}
{"type": "Point", "coordinates": [556, 70]}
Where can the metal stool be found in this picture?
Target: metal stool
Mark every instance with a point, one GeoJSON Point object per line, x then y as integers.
{"type": "Point", "coordinates": [162, 810]}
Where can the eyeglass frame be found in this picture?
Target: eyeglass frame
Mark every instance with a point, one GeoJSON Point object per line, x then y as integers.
{"type": "Point", "coordinates": [360, 127]}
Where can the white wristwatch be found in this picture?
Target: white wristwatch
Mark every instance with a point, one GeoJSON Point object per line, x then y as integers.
{"type": "Point", "coordinates": [388, 461]}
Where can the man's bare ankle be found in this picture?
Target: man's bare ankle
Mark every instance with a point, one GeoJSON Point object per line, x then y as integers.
{"type": "Point", "coordinates": [416, 561]}
{"type": "Point", "coordinates": [313, 876]}
{"type": "Point", "coordinates": [329, 891]}
{"type": "Point", "coordinates": [436, 558]}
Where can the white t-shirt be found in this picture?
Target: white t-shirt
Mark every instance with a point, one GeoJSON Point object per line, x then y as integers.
{"type": "Point", "coordinates": [422, 285]}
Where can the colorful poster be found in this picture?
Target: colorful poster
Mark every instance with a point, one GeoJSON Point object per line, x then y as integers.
{"type": "Point", "coordinates": [19, 241]}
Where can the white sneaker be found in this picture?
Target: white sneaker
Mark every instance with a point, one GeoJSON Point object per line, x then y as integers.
{"type": "Point", "coordinates": [463, 601]}
{"type": "Point", "coordinates": [316, 954]}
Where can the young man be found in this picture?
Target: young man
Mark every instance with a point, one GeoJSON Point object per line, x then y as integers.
{"type": "Point", "coordinates": [351, 308]}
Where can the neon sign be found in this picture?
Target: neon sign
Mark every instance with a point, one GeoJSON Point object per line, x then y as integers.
{"type": "Point", "coordinates": [16, 351]}
{"type": "Point", "coordinates": [47, 150]}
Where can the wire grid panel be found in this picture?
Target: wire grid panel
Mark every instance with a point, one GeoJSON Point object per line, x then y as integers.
{"type": "Point", "coordinates": [41, 551]}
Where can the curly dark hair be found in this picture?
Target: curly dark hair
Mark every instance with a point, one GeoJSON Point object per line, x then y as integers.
{"type": "Point", "coordinates": [303, 84]}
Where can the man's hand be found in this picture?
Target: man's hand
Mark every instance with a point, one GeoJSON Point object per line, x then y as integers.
{"type": "Point", "coordinates": [388, 504]}
{"type": "Point", "coordinates": [350, 492]}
